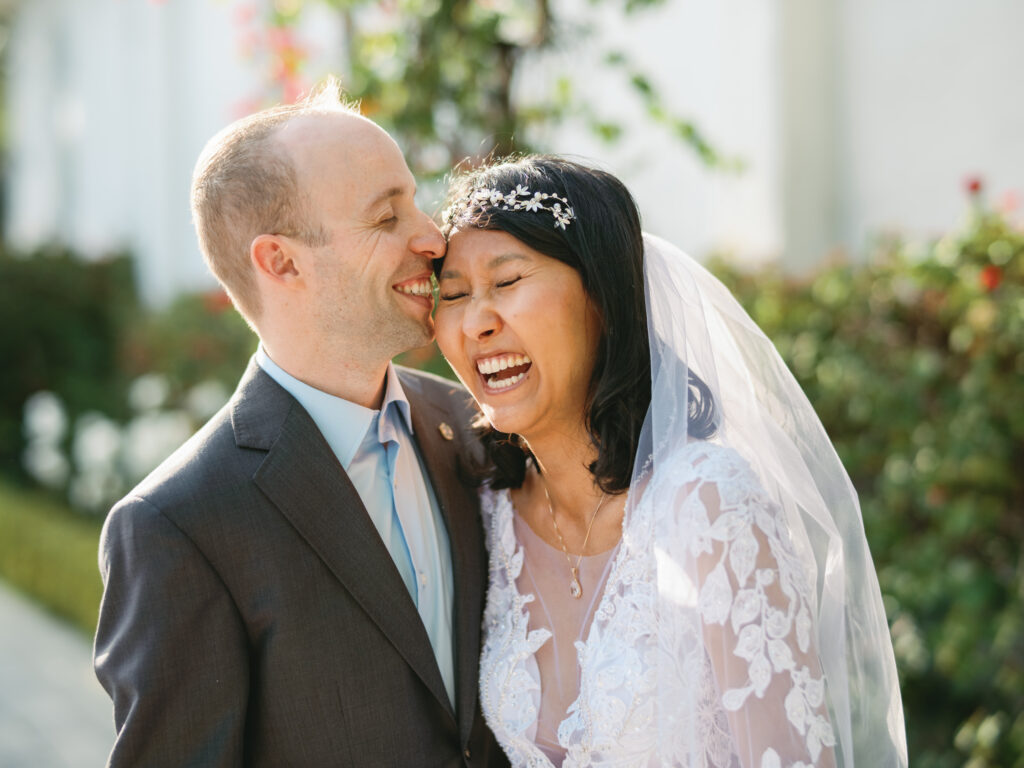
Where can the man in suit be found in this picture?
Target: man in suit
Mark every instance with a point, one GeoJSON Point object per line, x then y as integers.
{"type": "Point", "coordinates": [301, 583]}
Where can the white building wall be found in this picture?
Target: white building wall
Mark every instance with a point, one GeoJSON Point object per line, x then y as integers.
{"type": "Point", "coordinates": [809, 131]}
{"type": "Point", "coordinates": [851, 116]}
{"type": "Point", "coordinates": [110, 103]}
{"type": "Point", "coordinates": [931, 94]}
{"type": "Point", "coordinates": [33, 194]}
{"type": "Point", "coordinates": [714, 62]}
{"type": "Point", "coordinates": [854, 118]}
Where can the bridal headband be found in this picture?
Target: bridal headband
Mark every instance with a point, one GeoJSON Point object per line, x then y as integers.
{"type": "Point", "coordinates": [518, 199]}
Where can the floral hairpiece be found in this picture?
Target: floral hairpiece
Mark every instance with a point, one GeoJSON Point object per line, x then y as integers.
{"type": "Point", "coordinates": [518, 199]}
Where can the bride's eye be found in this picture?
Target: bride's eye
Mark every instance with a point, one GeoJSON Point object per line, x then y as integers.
{"type": "Point", "coordinates": [453, 296]}
{"type": "Point", "coordinates": [506, 283]}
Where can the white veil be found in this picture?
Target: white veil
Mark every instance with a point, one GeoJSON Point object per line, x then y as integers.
{"type": "Point", "coordinates": [696, 326]}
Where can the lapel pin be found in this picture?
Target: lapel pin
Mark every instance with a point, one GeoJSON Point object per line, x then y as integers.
{"type": "Point", "coordinates": [446, 432]}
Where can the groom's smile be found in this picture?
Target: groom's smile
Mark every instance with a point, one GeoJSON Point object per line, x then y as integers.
{"type": "Point", "coordinates": [372, 279]}
{"type": "Point", "coordinates": [417, 289]}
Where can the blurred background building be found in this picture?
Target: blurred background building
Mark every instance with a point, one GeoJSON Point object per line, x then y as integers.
{"type": "Point", "coordinates": [849, 117]}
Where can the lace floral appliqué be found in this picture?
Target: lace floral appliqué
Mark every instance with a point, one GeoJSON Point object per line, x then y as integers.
{"type": "Point", "coordinates": [732, 650]}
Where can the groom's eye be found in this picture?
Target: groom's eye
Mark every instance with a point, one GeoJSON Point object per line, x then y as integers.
{"type": "Point", "coordinates": [506, 283]}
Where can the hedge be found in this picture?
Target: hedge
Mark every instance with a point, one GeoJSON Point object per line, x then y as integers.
{"type": "Point", "coordinates": [50, 553]}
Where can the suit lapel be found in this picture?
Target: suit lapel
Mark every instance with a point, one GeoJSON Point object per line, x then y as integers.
{"type": "Point", "coordinates": [302, 477]}
{"type": "Point", "coordinates": [460, 509]}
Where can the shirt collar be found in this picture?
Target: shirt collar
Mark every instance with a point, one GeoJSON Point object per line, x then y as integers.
{"type": "Point", "coordinates": [396, 404]}
{"type": "Point", "coordinates": [342, 422]}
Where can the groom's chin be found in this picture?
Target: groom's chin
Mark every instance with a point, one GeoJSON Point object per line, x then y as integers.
{"type": "Point", "coordinates": [419, 332]}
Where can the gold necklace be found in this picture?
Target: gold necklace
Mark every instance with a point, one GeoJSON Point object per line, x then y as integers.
{"type": "Point", "coordinates": [575, 588]}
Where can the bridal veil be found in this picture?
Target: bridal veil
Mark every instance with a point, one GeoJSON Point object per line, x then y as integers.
{"type": "Point", "coordinates": [785, 602]}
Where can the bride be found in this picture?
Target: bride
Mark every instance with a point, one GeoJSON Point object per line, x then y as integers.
{"type": "Point", "coordinates": [678, 569]}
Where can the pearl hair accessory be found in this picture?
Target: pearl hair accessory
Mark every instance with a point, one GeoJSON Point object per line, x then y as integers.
{"type": "Point", "coordinates": [518, 199]}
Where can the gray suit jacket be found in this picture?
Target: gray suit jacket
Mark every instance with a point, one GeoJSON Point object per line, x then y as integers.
{"type": "Point", "coordinates": [252, 616]}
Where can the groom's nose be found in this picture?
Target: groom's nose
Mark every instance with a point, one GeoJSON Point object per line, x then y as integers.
{"type": "Point", "coordinates": [428, 240]}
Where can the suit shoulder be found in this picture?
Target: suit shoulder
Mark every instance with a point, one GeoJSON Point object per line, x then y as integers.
{"type": "Point", "coordinates": [427, 381]}
{"type": "Point", "coordinates": [200, 464]}
{"type": "Point", "coordinates": [451, 402]}
{"type": "Point", "coordinates": [445, 393]}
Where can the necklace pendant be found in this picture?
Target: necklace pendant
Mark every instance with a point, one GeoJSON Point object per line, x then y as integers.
{"type": "Point", "coordinates": [574, 587]}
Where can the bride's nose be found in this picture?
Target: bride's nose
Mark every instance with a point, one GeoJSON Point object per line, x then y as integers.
{"type": "Point", "coordinates": [480, 320]}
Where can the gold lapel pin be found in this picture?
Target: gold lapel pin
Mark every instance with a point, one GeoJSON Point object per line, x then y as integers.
{"type": "Point", "coordinates": [446, 432]}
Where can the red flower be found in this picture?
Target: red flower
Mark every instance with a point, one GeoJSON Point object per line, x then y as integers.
{"type": "Point", "coordinates": [244, 14]}
{"type": "Point", "coordinates": [281, 38]}
{"type": "Point", "coordinates": [973, 185]}
{"type": "Point", "coordinates": [245, 107]}
{"type": "Point", "coordinates": [248, 42]}
{"type": "Point", "coordinates": [292, 89]}
{"type": "Point", "coordinates": [216, 301]}
{"type": "Point", "coordinates": [936, 496]}
{"type": "Point", "coordinates": [990, 277]}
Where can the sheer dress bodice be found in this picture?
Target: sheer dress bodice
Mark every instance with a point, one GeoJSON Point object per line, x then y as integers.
{"type": "Point", "coordinates": [545, 575]}
{"type": "Point", "coordinates": [740, 651]}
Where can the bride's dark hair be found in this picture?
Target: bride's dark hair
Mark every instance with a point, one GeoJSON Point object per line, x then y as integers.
{"type": "Point", "coordinates": [604, 244]}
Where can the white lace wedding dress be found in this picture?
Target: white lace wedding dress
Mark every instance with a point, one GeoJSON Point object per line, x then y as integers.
{"type": "Point", "coordinates": [735, 661]}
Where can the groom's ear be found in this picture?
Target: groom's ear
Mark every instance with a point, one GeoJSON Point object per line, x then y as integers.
{"type": "Point", "coordinates": [275, 258]}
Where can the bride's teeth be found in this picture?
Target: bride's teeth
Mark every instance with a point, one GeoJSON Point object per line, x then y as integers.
{"type": "Point", "coordinates": [495, 364]}
{"type": "Point", "coordinates": [506, 383]}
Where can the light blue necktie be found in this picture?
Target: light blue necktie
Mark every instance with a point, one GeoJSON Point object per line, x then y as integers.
{"type": "Point", "coordinates": [424, 541]}
{"type": "Point", "coordinates": [388, 525]}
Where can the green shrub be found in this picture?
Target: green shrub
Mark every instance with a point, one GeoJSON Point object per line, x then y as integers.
{"type": "Point", "coordinates": [81, 335]}
{"type": "Point", "coordinates": [50, 553]}
{"type": "Point", "coordinates": [62, 318]}
{"type": "Point", "coordinates": [197, 338]}
{"type": "Point", "coordinates": [915, 363]}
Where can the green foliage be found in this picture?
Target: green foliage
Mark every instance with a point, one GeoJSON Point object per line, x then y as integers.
{"type": "Point", "coordinates": [427, 359]}
{"type": "Point", "coordinates": [63, 318]}
{"type": "Point", "coordinates": [441, 75]}
{"type": "Point", "coordinates": [197, 338]}
{"type": "Point", "coordinates": [80, 333]}
{"type": "Point", "coordinates": [653, 104]}
{"type": "Point", "coordinates": [51, 553]}
{"type": "Point", "coordinates": [915, 364]}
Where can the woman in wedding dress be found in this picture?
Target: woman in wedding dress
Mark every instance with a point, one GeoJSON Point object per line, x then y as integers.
{"type": "Point", "coordinates": [678, 569]}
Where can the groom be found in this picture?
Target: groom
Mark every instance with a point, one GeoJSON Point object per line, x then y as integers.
{"type": "Point", "coordinates": [301, 583]}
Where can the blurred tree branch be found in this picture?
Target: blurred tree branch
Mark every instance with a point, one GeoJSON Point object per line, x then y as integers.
{"type": "Point", "coordinates": [443, 75]}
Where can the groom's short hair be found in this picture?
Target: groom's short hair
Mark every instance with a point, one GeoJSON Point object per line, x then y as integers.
{"type": "Point", "coordinates": [245, 184]}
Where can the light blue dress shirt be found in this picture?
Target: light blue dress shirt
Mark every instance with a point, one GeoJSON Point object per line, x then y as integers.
{"type": "Point", "coordinates": [376, 450]}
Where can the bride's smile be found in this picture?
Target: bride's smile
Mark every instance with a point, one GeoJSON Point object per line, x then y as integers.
{"type": "Point", "coordinates": [519, 330]}
{"type": "Point", "coordinates": [500, 372]}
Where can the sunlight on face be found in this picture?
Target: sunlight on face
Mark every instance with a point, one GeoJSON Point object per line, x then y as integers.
{"type": "Point", "coordinates": [519, 330]}
{"type": "Point", "coordinates": [370, 283]}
